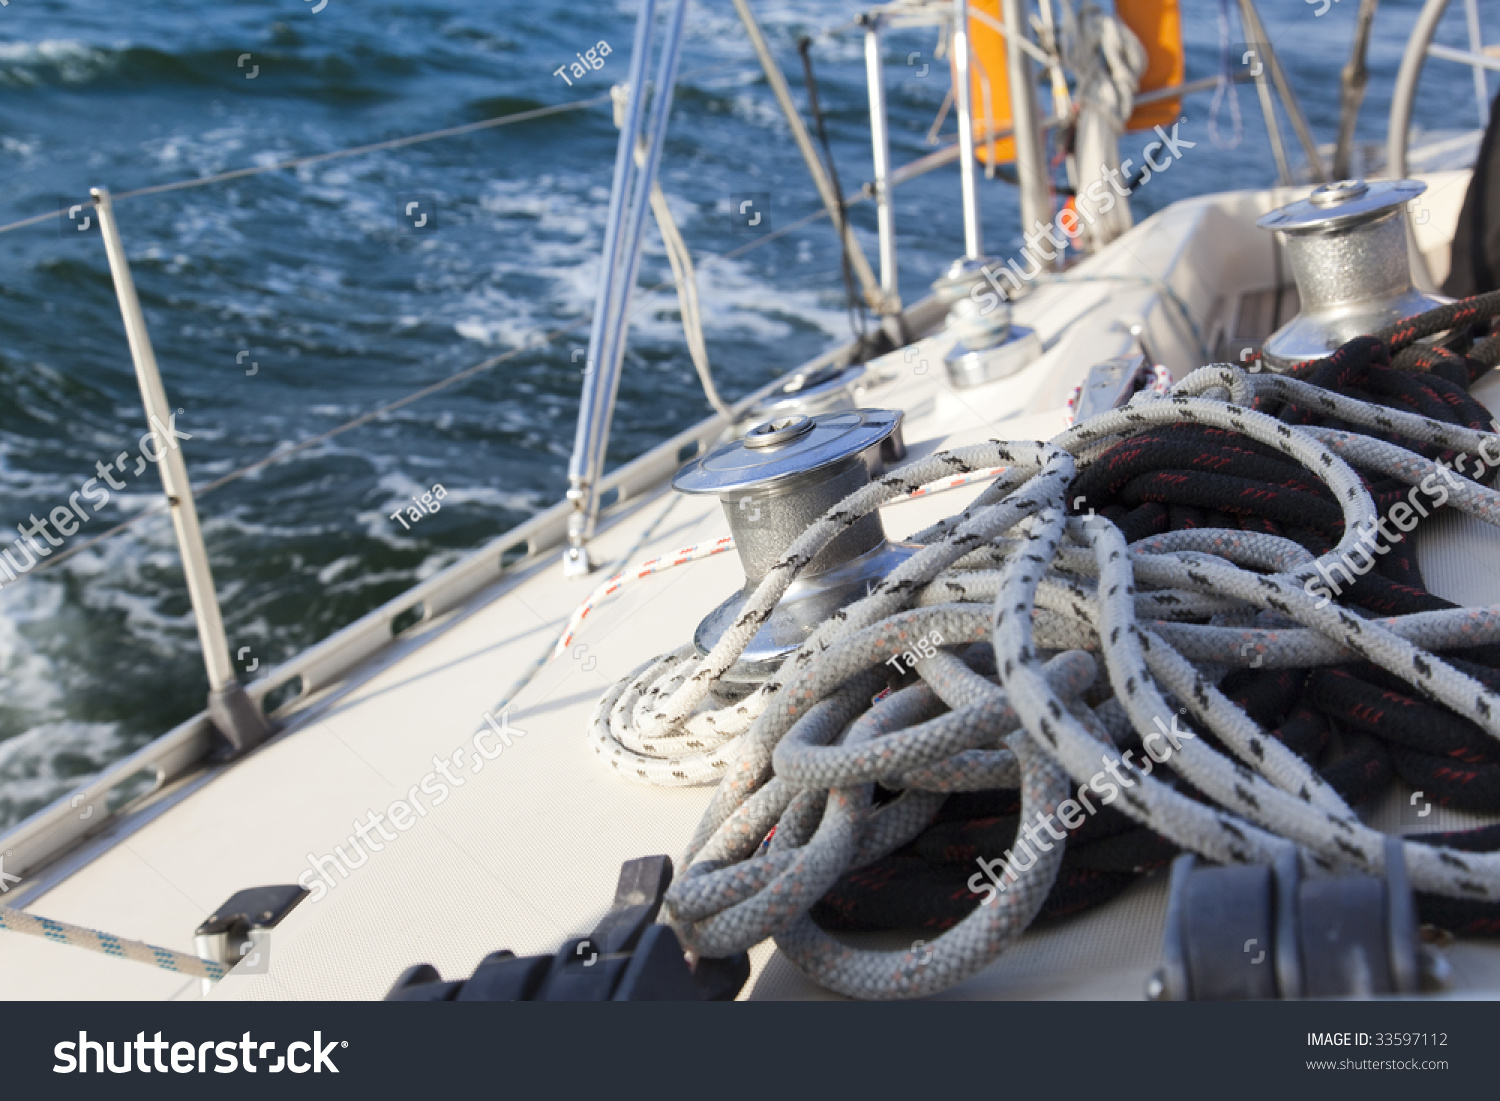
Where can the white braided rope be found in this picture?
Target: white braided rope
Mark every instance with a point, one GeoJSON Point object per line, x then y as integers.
{"type": "Point", "coordinates": [80, 936]}
{"type": "Point", "coordinates": [651, 726]}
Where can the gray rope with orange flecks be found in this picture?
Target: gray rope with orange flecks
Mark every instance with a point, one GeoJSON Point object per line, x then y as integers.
{"type": "Point", "coordinates": [1065, 603]}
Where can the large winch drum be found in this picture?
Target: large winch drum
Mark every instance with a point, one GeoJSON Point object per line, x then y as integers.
{"type": "Point", "coordinates": [1346, 243]}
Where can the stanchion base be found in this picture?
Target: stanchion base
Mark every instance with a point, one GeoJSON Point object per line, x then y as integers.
{"type": "Point", "coordinates": [237, 718]}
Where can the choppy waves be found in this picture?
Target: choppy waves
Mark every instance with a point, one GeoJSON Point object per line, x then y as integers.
{"type": "Point", "coordinates": [311, 279]}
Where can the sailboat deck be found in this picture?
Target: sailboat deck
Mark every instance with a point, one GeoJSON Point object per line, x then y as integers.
{"type": "Point", "coordinates": [526, 851]}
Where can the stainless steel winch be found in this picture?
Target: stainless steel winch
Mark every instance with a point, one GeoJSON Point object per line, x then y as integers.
{"type": "Point", "coordinates": [990, 346]}
{"type": "Point", "coordinates": [773, 483]}
{"type": "Point", "coordinates": [1347, 246]}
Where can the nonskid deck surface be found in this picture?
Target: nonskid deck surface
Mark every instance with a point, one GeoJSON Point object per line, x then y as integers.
{"type": "Point", "coordinates": [522, 850]}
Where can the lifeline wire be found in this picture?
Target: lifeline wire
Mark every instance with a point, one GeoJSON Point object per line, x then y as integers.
{"type": "Point", "coordinates": [351, 151]}
{"type": "Point", "coordinates": [532, 342]}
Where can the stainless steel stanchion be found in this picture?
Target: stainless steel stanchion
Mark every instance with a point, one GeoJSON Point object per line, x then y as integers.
{"type": "Point", "coordinates": [233, 712]}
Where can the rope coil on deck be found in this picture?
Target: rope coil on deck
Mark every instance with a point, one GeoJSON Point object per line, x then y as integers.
{"type": "Point", "coordinates": [1016, 589]}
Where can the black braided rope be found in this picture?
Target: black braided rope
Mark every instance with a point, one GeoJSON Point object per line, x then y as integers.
{"type": "Point", "coordinates": [1360, 727]}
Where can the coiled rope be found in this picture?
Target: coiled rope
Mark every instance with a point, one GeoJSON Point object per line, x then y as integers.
{"type": "Point", "coordinates": [1062, 641]}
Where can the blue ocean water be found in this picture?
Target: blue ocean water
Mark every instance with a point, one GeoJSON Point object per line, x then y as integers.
{"type": "Point", "coordinates": [284, 304]}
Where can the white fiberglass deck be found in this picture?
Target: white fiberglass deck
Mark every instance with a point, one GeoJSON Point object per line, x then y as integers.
{"type": "Point", "coordinates": [526, 852]}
